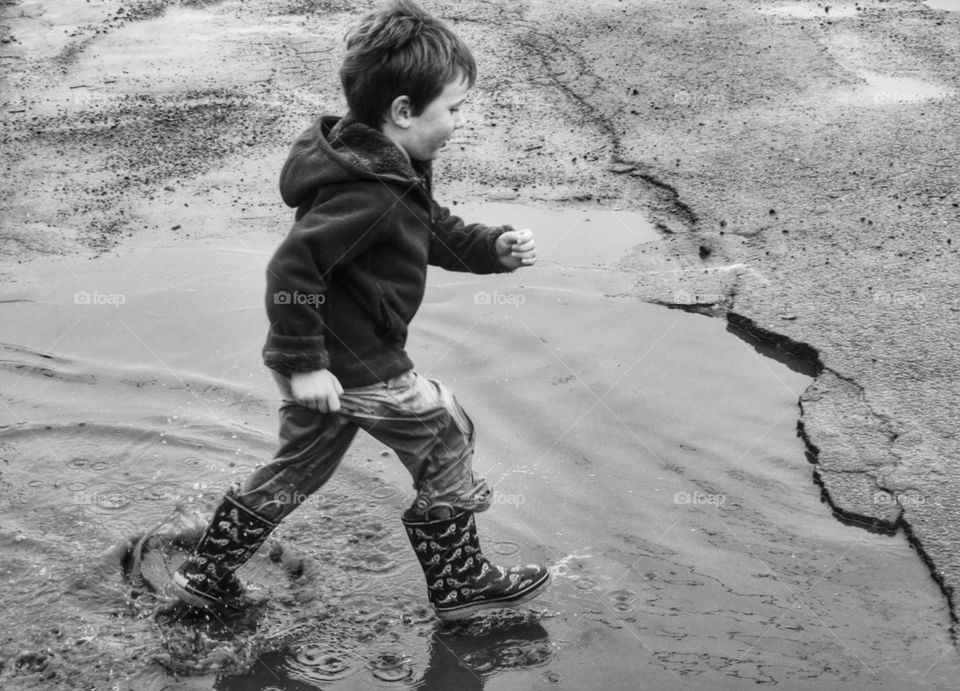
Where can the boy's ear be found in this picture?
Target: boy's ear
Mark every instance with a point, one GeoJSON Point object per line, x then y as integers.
{"type": "Point", "coordinates": [400, 112]}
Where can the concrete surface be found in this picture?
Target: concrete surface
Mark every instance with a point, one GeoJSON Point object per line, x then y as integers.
{"type": "Point", "coordinates": [800, 160]}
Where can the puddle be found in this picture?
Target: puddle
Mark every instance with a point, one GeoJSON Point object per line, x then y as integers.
{"type": "Point", "coordinates": [811, 10]}
{"type": "Point", "coordinates": [648, 454]}
{"type": "Point", "coordinates": [574, 237]}
{"type": "Point", "coordinates": [884, 89]}
{"type": "Point", "coordinates": [897, 87]}
{"type": "Point", "coordinates": [881, 90]}
{"type": "Point", "coordinates": [948, 5]}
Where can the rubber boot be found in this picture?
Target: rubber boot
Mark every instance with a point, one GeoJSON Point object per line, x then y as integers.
{"type": "Point", "coordinates": [206, 579]}
{"type": "Point", "coordinates": [460, 580]}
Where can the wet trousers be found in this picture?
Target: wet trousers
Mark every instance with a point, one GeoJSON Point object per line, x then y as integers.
{"type": "Point", "coordinates": [418, 418]}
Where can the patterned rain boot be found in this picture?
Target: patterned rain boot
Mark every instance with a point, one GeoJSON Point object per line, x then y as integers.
{"type": "Point", "coordinates": [460, 580]}
{"type": "Point", "coordinates": [206, 579]}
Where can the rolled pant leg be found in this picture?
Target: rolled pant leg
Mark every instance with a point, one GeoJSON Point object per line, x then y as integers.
{"type": "Point", "coordinates": [431, 434]}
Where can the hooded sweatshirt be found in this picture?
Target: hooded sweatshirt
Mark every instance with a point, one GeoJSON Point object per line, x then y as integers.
{"type": "Point", "coordinates": [350, 275]}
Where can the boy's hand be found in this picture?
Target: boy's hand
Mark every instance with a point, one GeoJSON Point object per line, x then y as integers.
{"type": "Point", "coordinates": [516, 248]}
{"type": "Point", "coordinates": [318, 390]}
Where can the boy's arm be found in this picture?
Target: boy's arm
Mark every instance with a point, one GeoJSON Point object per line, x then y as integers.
{"type": "Point", "coordinates": [332, 233]}
{"type": "Point", "coordinates": [296, 289]}
{"type": "Point", "coordinates": [457, 246]}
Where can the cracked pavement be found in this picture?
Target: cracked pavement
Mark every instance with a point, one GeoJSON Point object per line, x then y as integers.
{"type": "Point", "coordinates": [801, 166]}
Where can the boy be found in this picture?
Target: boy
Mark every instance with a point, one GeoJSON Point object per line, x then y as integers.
{"type": "Point", "coordinates": [341, 290]}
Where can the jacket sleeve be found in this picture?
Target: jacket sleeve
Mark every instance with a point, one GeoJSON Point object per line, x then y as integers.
{"type": "Point", "coordinates": [329, 235]}
{"type": "Point", "coordinates": [457, 246]}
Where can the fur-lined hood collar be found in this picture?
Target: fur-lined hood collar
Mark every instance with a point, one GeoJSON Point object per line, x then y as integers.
{"type": "Point", "coordinates": [336, 150]}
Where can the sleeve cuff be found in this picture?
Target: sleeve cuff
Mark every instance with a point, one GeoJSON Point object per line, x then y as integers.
{"type": "Point", "coordinates": [494, 259]}
{"type": "Point", "coordinates": [291, 354]}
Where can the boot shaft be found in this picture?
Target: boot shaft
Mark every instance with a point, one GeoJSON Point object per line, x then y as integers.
{"type": "Point", "coordinates": [445, 547]}
{"type": "Point", "coordinates": [206, 579]}
{"type": "Point", "coordinates": [234, 533]}
{"type": "Point", "coordinates": [460, 580]}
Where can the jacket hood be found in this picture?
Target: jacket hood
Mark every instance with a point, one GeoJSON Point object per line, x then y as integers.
{"type": "Point", "coordinates": [334, 150]}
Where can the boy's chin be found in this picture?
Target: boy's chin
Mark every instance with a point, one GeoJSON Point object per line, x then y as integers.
{"type": "Point", "coordinates": [437, 152]}
{"type": "Point", "coordinates": [429, 154]}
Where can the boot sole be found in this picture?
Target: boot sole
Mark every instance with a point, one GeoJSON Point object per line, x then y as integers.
{"type": "Point", "coordinates": [468, 610]}
{"type": "Point", "coordinates": [180, 587]}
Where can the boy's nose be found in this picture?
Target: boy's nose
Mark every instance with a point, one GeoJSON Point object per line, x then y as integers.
{"type": "Point", "coordinates": [459, 121]}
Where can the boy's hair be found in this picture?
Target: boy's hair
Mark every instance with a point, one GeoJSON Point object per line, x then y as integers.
{"type": "Point", "coordinates": [401, 50]}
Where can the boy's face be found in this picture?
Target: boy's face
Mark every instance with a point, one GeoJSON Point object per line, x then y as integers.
{"type": "Point", "coordinates": [428, 132]}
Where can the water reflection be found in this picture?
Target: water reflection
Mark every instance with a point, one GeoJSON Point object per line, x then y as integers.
{"type": "Point", "coordinates": [461, 658]}
{"type": "Point", "coordinates": [458, 657]}
{"type": "Point", "coordinates": [949, 5]}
